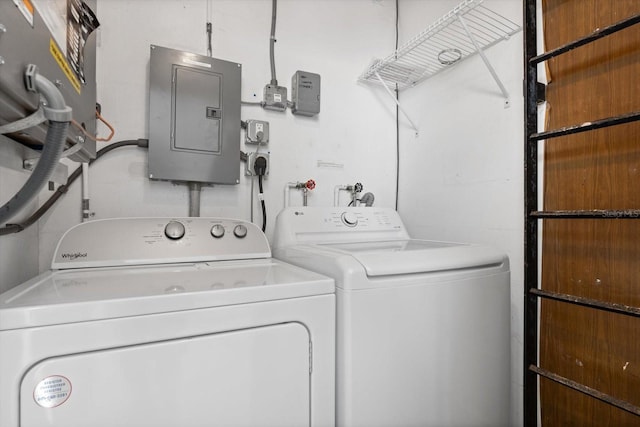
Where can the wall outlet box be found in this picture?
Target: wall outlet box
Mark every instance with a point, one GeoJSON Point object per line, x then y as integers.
{"type": "Point", "coordinates": [257, 132]}
{"type": "Point", "coordinates": [275, 97]}
{"type": "Point", "coordinates": [251, 160]}
{"type": "Point", "coordinates": [305, 93]}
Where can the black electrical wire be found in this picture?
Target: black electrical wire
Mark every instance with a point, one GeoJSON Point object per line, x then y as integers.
{"type": "Point", "coordinates": [264, 210]}
{"type": "Point", "coordinates": [16, 228]}
{"type": "Point", "coordinates": [397, 117]}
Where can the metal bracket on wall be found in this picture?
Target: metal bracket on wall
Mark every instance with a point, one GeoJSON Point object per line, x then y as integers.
{"type": "Point", "coordinates": [413, 126]}
{"type": "Point", "coordinates": [504, 91]}
{"type": "Point", "coordinates": [17, 157]}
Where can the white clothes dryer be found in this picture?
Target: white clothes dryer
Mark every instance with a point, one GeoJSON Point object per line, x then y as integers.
{"type": "Point", "coordinates": [422, 326]}
{"type": "Point", "coordinates": [168, 322]}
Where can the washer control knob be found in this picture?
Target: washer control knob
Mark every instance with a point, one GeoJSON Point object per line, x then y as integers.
{"type": "Point", "coordinates": [240, 231]}
{"type": "Point", "coordinates": [174, 230]}
{"type": "Point", "coordinates": [350, 219]}
{"type": "Point", "coordinates": [217, 231]}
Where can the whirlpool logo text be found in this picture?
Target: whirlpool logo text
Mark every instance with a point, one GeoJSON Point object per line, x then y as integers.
{"type": "Point", "coordinates": [74, 255]}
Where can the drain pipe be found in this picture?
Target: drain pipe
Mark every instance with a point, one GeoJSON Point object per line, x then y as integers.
{"type": "Point", "coordinates": [59, 116]}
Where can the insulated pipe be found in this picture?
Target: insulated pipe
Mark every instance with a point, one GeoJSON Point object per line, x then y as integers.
{"type": "Point", "coordinates": [59, 116]}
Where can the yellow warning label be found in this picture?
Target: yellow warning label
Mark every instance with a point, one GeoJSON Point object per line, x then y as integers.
{"type": "Point", "coordinates": [62, 62]}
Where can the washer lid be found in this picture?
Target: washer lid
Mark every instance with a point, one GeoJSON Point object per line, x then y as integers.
{"type": "Point", "coordinates": [418, 256]}
{"type": "Point", "coordinates": [58, 297]}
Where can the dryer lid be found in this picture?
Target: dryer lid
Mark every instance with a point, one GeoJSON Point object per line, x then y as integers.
{"type": "Point", "coordinates": [59, 297]}
{"type": "Point", "coordinates": [418, 256]}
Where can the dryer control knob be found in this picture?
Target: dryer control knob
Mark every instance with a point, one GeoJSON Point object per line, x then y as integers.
{"type": "Point", "coordinates": [350, 219]}
{"type": "Point", "coordinates": [217, 231]}
{"type": "Point", "coordinates": [240, 231]}
{"type": "Point", "coordinates": [174, 230]}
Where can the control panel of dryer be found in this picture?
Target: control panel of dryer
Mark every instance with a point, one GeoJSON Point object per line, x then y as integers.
{"type": "Point", "coordinates": [297, 225]}
{"type": "Point", "coordinates": [141, 241]}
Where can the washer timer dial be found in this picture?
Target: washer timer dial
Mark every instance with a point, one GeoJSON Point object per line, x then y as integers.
{"type": "Point", "coordinates": [349, 219]}
{"type": "Point", "coordinates": [174, 230]}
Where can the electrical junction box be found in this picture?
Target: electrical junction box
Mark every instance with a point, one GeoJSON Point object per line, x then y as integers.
{"type": "Point", "coordinates": [61, 43]}
{"type": "Point", "coordinates": [194, 117]}
{"type": "Point", "coordinates": [305, 93]}
{"type": "Point", "coordinates": [257, 132]}
{"type": "Point", "coordinates": [275, 98]}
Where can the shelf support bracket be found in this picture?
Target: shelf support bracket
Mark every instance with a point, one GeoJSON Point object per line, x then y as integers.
{"type": "Point", "coordinates": [413, 126]}
{"type": "Point", "coordinates": [505, 94]}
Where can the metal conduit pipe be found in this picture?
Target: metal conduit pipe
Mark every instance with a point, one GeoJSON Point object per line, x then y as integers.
{"type": "Point", "coordinates": [194, 198]}
{"type": "Point", "coordinates": [59, 116]}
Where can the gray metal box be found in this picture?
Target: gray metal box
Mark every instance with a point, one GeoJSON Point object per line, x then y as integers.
{"type": "Point", "coordinates": [25, 38]}
{"type": "Point", "coordinates": [194, 117]}
{"type": "Point", "coordinates": [305, 93]}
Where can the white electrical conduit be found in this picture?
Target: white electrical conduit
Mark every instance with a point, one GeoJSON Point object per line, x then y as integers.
{"type": "Point", "coordinates": [59, 116]}
{"type": "Point", "coordinates": [85, 191]}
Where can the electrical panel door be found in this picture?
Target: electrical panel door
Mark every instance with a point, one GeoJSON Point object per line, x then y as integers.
{"type": "Point", "coordinates": [194, 117]}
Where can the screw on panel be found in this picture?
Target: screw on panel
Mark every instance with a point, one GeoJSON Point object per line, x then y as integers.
{"type": "Point", "coordinates": [29, 164]}
{"type": "Point", "coordinates": [3, 29]}
{"type": "Point", "coordinates": [1, 60]}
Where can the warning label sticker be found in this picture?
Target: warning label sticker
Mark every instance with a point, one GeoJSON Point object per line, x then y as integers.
{"type": "Point", "coordinates": [52, 391]}
{"type": "Point", "coordinates": [64, 65]}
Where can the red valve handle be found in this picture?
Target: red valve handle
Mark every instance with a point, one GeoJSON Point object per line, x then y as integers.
{"type": "Point", "coordinates": [311, 184]}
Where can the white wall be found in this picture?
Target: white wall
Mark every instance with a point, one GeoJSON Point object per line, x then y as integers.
{"type": "Point", "coordinates": [354, 130]}
{"type": "Point", "coordinates": [462, 177]}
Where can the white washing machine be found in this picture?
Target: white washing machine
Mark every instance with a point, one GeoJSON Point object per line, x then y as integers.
{"type": "Point", "coordinates": [168, 322]}
{"type": "Point", "coordinates": [422, 326]}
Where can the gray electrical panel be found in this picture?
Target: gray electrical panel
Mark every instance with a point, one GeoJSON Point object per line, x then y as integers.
{"type": "Point", "coordinates": [305, 93]}
{"type": "Point", "coordinates": [194, 117]}
{"type": "Point", "coordinates": [61, 43]}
